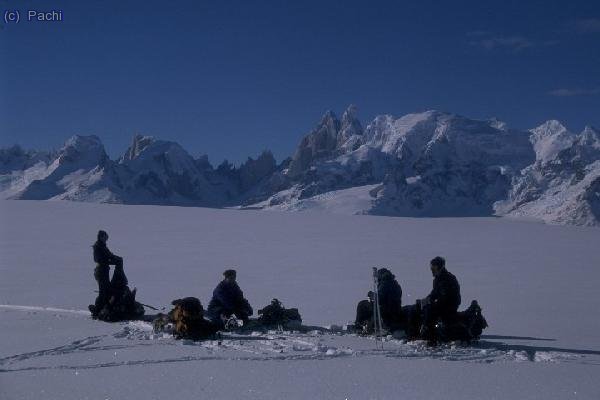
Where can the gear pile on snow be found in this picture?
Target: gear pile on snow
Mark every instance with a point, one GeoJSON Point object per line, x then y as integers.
{"type": "Point", "coordinates": [186, 321]}
{"type": "Point", "coordinates": [121, 307]}
{"type": "Point", "coordinates": [276, 316]}
{"type": "Point", "coordinates": [464, 326]}
{"type": "Point", "coordinates": [121, 304]}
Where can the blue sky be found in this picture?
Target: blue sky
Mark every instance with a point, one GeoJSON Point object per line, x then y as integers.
{"type": "Point", "coordinates": [231, 78]}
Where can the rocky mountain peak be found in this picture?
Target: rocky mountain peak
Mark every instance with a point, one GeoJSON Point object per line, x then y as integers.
{"type": "Point", "coordinates": [498, 124]}
{"type": "Point", "coordinates": [320, 143]}
{"type": "Point", "coordinates": [86, 150]}
{"type": "Point", "coordinates": [350, 124]}
{"type": "Point", "coordinates": [549, 139]}
{"type": "Point", "coordinates": [252, 171]}
{"type": "Point", "coordinates": [328, 118]}
{"type": "Point", "coordinates": [585, 148]}
{"type": "Point", "coordinates": [350, 114]}
{"type": "Point", "coordinates": [436, 164]}
{"type": "Point", "coordinates": [138, 145]}
{"type": "Point", "coordinates": [15, 158]}
{"type": "Point", "coordinates": [591, 136]}
{"type": "Point", "coordinates": [551, 127]}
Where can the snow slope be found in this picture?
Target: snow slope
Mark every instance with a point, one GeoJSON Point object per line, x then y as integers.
{"type": "Point", "coordinates": [537, 285]}
{"type": "Point", "coordinates": [351, 201]}
{"type": "Point", "coordinates": [564, 189]}
{"type": "Point", "coordinates": [549, 139]}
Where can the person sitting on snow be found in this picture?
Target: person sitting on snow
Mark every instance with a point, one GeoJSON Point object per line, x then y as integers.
{"type": "Point", "coordinates": [443, 301]}
{"type": "Point", "coordinates": [390, 300]}
{"type": "Point", "coordinates": [227, 300]}
{"type": "Point", "coordinates": [364, 314]}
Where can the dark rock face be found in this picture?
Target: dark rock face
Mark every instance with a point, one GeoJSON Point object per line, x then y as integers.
{"type": "Point", "coordinates": [16, 159]}
{"type": "Point", "coordinates": [320, 143]}
{"type": "Point", "coordinates": [137, 147]}
{"type": "Point", "coordinates": [329, 139]}
{"type": "Point", "coordinates": [253, 171]}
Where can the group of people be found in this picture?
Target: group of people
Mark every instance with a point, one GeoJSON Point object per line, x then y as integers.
{"type": "Point", "coordinates": [441, 305]}
{"type": "Point", "coordinates": [115, 301]}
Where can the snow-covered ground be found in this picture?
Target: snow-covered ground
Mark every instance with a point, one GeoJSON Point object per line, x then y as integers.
{"type": "Point", "coordinates": [537, 284]}
{"type": "Point", "coordinates": [352, 201]}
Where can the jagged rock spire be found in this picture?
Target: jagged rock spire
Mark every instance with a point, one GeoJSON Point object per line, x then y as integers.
{"type": "Point", "coordinates": [139, 143]}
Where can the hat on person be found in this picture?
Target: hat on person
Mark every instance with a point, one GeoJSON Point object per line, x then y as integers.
{"type": "Point", "coordinates": [438, 262]}
{"type": "Point", "coordinates": [230, 273]}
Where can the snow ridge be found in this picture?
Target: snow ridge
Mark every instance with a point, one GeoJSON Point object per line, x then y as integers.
{"type": "Point", "coordinates": [428, 164]}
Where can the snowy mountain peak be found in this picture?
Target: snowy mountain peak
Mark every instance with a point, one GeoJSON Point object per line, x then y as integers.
{"type": "Point", "coordinates": [15, 158]}
{"type": "Point", "coordinates": [320, 143]}
{"type": "Point", "coordinates": [549, 139]}
{"type": "Point", "coordinates": [84, 150]}
{"type": "Point", "coordinates": [138, 145]}
{"type": "Point", "coordinates": [390, 134]}
{"type": "Point", "coordinates": [351, 131]}
{"type": "Point", "coordinates": [329, 118]}
{"type": "Point", "coordinates": [429, 163]}
{"type": "Point", "coordinates": [498, 124]}
{"type": "Point", "coordinates": [158, 156]}
{"type": "Point", "coordinates": [585, 148]}
{"type": "Point", "coordinates": [350, 114]}
{"type": "Point", "coordinates": [591, 135]}
{"type": "Point", "coordinates": [83, 143]}
{"type": "Point", "coordinates": [81, 160]}
{"type": "Point", "coordinates": [549, 128]}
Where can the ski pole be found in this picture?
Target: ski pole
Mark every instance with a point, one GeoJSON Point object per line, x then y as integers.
{"type": "Point", "coordinates": [152, 308]}
{"type": "Point", "coordinates": [378, 325]}
{"type": "Point", "coordinates": [376, 320]}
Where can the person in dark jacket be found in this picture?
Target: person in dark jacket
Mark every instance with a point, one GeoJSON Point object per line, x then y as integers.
{"type": "Point", "coordinates": [364, 314]}
{"type": "Point", "coordinates": [443, 301]}
{"type": "Point", "coordinates": [390, 300]}
{"type": "Point", "coordinates": [228, 299]}
{"type": "Point", "coordinates": [104, 259]}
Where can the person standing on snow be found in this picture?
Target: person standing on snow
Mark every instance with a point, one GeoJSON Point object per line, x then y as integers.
{"type": "Point", "coordinates": [104, 259]}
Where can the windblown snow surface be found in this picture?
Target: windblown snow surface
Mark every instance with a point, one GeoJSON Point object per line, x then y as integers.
{"type": "Point", "coordinates": [537, 284]}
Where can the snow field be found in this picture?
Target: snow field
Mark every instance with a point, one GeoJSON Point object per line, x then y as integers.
{"type": "Point", "coordinates": [537, 285]}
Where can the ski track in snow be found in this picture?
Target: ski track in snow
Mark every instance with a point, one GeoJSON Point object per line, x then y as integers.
{"type": "Point", "coordinates": [47, 309]}
{"type": "Point", "coordinates": [272, 346]}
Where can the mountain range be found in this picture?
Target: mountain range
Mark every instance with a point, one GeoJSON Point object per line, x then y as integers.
{"type": "Point", "coordinates": [429, 164]}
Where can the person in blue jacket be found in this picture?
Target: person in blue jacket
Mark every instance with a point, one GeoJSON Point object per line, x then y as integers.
{"type": "Point", "coordinates": [227, 300]}
{"type": "Point", "coordinates": [390, 300]}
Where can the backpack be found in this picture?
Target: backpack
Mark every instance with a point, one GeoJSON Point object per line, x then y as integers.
{"type": "Point", "coordinates": [275, 315]}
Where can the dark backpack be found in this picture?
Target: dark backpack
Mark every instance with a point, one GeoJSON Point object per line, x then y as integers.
{"type": "Point", "coordinates": [188, 319]}
{"type": "Point", "coordinates": [275, 315]}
